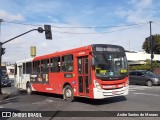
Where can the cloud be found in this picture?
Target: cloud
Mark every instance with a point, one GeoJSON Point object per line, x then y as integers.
{"type": "Point", "coordinates": [139, 11]}
{"type": "Point", "coordinates": [11, 17]}
{"type": "Point", "coordinates": [65, 15]}
{"type": "Point", "coordinates": [141, 4]}
{"type": "Point", "coordinates": [53, 19]}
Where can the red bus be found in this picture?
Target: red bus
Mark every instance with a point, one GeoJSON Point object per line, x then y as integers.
{"type": "Point", "coordinates": [95, 71]}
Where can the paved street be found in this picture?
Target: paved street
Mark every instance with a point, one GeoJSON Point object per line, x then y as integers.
{"type": "Point", "coordinates": [140, 98]}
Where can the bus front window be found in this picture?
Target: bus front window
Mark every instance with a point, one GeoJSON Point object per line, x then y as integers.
{"type": "Point", "coordinates": [110, 65]}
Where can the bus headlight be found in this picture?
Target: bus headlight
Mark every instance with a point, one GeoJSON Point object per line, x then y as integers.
{"type": "Point", "coordinates": [127, 83]}
{"type": "Point", "coordinates": [97, 85]}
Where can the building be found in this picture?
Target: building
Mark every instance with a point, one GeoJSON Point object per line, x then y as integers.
{"type": "Point", "coordinates": [138, 58]}
{"type": "Point", "coordinates": [10, 71]}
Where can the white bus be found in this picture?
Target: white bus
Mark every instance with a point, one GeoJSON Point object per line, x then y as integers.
{"type": "Point", "coordinates": [22, 73]}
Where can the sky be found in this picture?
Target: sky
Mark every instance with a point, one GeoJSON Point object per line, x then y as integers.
{"type": "Point", "coordinates": [76, 23]}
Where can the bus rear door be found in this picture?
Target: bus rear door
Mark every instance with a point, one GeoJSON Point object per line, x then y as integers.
{"type": "Point", "coordinates": [19, 78]}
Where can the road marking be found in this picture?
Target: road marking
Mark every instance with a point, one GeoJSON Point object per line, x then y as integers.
{"type": "Point", "coordinates": [132, 90]}
{"type": "Point", "coordinates": [1, 107]}
{"type": "Point", "coordinates": [44, 101]}
{"type": "Point", "coordinates": [136, 88]}
{"type": "Point", "coordinates": [139, 88]}
{"type": "Point", "coordinates": [146, 94]}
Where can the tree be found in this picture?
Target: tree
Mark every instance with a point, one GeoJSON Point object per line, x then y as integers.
{"type": "Point", "coordinates": [146, 66]}
{"type": "Point", "coordinates": [156, 44]}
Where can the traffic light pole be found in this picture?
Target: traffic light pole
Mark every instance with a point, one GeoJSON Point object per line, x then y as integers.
{"type": "Point", "coordinates": [0, 67]}
{"type": "Point", "coordinates": [40, 30]}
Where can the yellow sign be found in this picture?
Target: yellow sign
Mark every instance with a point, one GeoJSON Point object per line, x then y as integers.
{"type": "Point", "coordinates": [123, 70]}
{"type": "Point", "coordinates": [33, 51]}
{"type": "Point", "coordinates": [103, 71]}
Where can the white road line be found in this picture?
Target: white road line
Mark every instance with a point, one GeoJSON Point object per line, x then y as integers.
{"type": "Point", "coordinates": [139, 87]}
{"type": "Point", "coordinates": [1, 107]}
{"type": "Point", "coordinates": [136, 88]}
{"type": "Point", "coordinates": [44, 101]}
{"type": "Point", "coordinates": [132, 90]}
{"type": "Point", "coordinates": [146, 94]}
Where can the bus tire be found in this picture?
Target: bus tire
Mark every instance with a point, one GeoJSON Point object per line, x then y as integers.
{"type": "Point", "coordinates": [29, 89]}
{"type": "Point", "coordinates": [68, 94]}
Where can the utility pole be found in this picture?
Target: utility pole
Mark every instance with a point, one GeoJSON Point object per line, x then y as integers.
{"type": "Point", "coordinates": [151, 45]}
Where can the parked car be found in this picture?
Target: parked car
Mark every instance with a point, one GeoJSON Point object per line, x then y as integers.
{"type": "Point", "coordinates": [144, 77]}
{"type": "Point", "coordinates": [5, 83]}
{"type": "Point", "coordinates": [4, 73]}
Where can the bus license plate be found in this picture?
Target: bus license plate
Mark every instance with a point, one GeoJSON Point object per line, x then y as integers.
{"type": "Point", "coordinates": [114, 92]}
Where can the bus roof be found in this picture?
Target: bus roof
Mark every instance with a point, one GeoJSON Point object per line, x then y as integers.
{"type": "Point", "coordinates": [79, 49]}
{"type": "Point", "coordinates": [47, 56]}
{"type": "Point", "coordinates": [26, 60]}
{"type": "Point", "coordinates": [63, 52]}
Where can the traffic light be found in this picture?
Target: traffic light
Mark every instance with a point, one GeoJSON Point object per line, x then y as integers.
{"type": "Point", "coordinates": [48, 32]}
{"type": "Point", "coordinates": [3, 51]}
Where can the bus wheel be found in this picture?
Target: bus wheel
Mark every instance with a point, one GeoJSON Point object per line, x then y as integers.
{"type": "Point", "coordinates": [68, 93]}
{"type": "Point", "coordinates": [29, 89]}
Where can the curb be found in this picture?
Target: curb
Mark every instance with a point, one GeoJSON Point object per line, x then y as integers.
{"type": "Point", "coordinates": [14, 93]}
{"type": "Point", "coordinates": [4, 96]}
{"type": "Point", "coordinates": [8, 94]}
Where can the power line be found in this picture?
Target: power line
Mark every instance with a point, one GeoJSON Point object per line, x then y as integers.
{"type": "Point", "coordinates": [156, 23]}
{"type": "Point", "coordinates": [131, 26]}
{"type": "Point", "coordinates": [101, 26]}
{"type": "Point", "coordinates": [124, 25]}
{"type": "Point", "coordinates": [100, 32]}
{"type": "Point", "coordinates": [22, 23]}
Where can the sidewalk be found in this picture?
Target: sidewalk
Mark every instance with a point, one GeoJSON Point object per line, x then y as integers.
{"type": "Point", "coordinates": [8, 92]}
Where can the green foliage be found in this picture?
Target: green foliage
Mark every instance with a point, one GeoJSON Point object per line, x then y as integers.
{"type": "Point", "coordinates": [156, 46]}
{"type": "Point", "coordinates": [146, 66]}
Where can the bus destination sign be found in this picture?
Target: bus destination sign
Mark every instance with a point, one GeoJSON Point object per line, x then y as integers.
{"type": "Point", "coordinates": [107, 49]}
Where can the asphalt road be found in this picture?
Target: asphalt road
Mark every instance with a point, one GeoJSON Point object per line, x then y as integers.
{"type": "Point", "coordinates": [140, 98]}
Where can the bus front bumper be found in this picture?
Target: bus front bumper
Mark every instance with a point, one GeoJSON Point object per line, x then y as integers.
{"type": "Point", "coordinates": [101, 94]}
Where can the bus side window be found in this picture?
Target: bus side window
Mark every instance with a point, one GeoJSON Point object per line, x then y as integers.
{"type": "Point", "coordinates": [80, 66]}
{"type": "Point", "coordinates": [15, 73]}
{"type": "Point", "coordinates": [67, 63]}
{"type": "Point", "coordinates": [55, 64]}
{"type": "Point", "coordinates": [24, 68]}
{"type": "Point", "coordinates": [28, 68]}
{"type": "Point", "coordinates": [36, 67]}
{"type": "Point", "coordinates": [45, 65]}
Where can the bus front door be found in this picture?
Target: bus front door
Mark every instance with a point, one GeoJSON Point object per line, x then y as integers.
{"type": "Point", "coordinates": [83, 76]}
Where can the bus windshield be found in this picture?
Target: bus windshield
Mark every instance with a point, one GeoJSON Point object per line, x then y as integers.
{"type": "Point", "coordinates": [110, 65]}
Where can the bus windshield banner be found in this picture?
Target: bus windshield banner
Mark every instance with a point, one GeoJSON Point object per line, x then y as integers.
{"type": "Point", "coordinates": [107, 48]}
